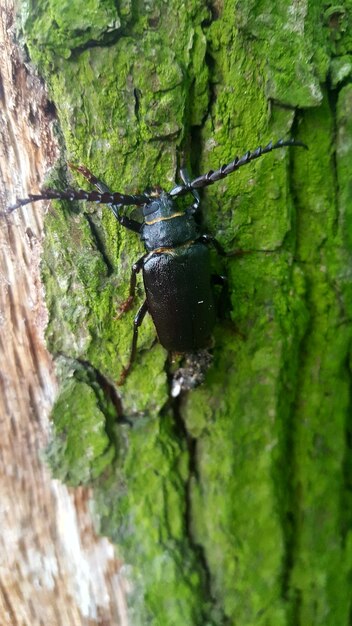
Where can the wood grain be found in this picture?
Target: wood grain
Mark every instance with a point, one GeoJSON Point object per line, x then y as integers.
{"type": "Point", "coordinates": [54, 569]}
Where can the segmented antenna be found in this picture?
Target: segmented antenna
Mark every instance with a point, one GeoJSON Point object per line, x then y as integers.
{"type": "Point", "coordinates": [212, 176]}
{"type": "Point", "coordinates": [81, 194]}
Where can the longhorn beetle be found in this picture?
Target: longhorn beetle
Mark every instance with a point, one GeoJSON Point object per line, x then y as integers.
{"type": "Point", "coordinates": [176, 265]}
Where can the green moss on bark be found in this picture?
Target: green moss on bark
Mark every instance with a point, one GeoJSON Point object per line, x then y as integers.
{"type": "Point", "coordinates": [234, 506]}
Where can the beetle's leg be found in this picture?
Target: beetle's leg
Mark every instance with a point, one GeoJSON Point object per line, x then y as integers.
{"type": "Point", "coordinates": [218, 279]}
{"type": "Point", "coordinates": [136, 267]}
{"type": "Point", "coordinates": [113, 199]}
{"type": "Point", "coordinates": [186, 179]}
{"type": "Point", "coordinates": [136, 324]}
{"type": "Point", "coordinates": [89, 176]}
{"type": "Point", "coordinates": [93, 180]}
{"type": "Point", "coordinates": [210, 240]}
{"type": "Point", "coordinates": [223, 301]}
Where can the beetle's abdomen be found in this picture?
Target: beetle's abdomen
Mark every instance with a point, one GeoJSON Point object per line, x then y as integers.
{"type": "Point", "coordinates": [180, 298]}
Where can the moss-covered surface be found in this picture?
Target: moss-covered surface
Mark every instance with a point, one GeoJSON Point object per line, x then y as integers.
{"type": "Point", "coordinates": [233, 505]}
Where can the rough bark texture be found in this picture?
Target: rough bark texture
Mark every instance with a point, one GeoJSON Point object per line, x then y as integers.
{"type": "Point", "coordinates": [232, 505]}
{"type": "Point", "coordinates": [54, 569]}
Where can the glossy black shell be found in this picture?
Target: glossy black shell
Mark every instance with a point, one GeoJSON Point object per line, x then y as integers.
{"type": "Point", "coordinates": [180, 298]}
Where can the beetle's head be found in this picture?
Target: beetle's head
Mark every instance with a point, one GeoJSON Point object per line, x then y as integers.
{"type": "Point", "coordinates": [160, 205]}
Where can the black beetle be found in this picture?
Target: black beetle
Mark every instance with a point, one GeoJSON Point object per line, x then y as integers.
{"type": "Point", "coordinates": [176, 266]}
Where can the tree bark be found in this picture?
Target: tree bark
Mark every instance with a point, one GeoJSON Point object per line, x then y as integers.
{"type": "Point", "coordinates": [231, 504]}
{"type": "Point", "coordinates": [54, 569]}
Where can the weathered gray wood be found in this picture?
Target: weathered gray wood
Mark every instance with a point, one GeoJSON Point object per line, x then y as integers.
{"type": "Point", "coordinates": [53, 567]}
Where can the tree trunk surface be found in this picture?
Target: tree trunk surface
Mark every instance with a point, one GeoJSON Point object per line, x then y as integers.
{"type": "Point", "coordinates": [54, 569]}
{"type": "Point", "coordinates": [230, 504]}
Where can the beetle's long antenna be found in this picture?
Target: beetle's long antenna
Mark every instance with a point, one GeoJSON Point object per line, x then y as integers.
{"type": "Point", "coordinates": [213, 176]}
{"type": "Point", "coordinates": [81, 194]}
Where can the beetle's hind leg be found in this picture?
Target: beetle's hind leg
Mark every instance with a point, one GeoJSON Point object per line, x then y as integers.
{"type": "Point", "coordinates": [136, 324]}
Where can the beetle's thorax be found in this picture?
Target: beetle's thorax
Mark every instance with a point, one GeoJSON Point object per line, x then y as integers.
{"type": "Point", "coordinates": [165, 226]}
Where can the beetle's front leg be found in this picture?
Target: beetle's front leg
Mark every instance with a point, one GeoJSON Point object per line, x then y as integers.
{"type": "Point", "coordinates": [136, 324]}
{"type": "Point", "coordinates": [126, 305]}
{"type": "Point", "coordinates": [89, 176]}
{"type": "Point", "coordinates": [125, 221]}
{"type": "Point", "coordinates": [186, 179]}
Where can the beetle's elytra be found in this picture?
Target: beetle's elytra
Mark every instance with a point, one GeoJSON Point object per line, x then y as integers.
{"type": "Point", "coordinates": [176, 270]}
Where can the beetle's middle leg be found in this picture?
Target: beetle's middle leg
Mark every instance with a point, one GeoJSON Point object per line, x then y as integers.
{"type": "Point", "coordinates": [210, 240]}
{"type": "Point", "coordinates": [136, 267]}
{"type": "Point", "coordinates": [223, 301]}
{"type": "Point", "coordinates": [136, 324]}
